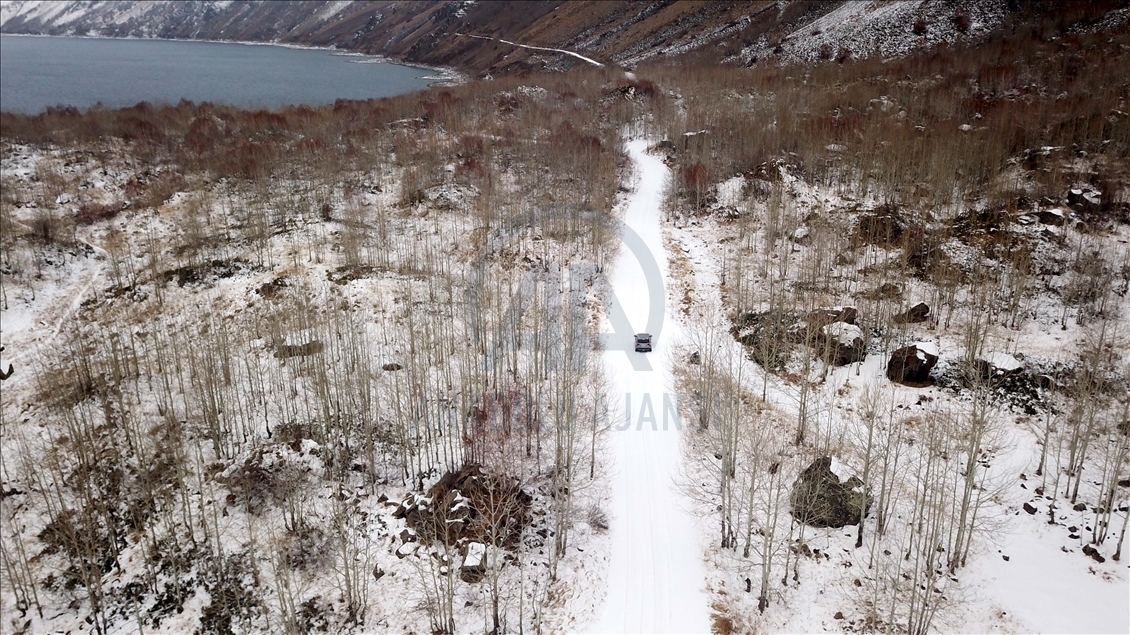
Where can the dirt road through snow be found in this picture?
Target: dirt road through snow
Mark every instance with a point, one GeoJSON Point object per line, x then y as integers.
{"type": "Point", "coordinates": [656, 582]}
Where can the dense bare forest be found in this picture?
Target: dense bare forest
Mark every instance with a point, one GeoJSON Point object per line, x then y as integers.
{"type": "Point", "coordinates": [276, 325]}
{"type": "Point", "coordinates": [328, 369]}
{"type": "Point", "coordinates": [919, 268]}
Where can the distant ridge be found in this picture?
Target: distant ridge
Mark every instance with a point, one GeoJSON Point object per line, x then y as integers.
{"type": "Point", "coordinates": [619, 32]}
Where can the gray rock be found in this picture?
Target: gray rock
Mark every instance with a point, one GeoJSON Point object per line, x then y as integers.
{"type": "Point", "coordinates": [407, 549]}
{"type": "Point", "coordinates": [1094, 554]}
{"type": "Point", "coordinates": [1086, 200]}
{"type": "Point", "coordinates": [822, 317]}
{"type": "Point", "coordinates": [474, 563]}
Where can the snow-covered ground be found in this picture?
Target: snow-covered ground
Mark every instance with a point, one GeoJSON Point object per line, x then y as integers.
{"type": "Point", "coordinates": [1026, 575]}
{"type": "Point", "coordinates": [656, 582]}
{"type": "Point", "coordinates": [55, 294]}
{"type": "Point", "coordinates": [887, 29]}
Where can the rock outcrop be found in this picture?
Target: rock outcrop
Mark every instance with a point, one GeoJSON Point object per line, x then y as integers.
{"type": "Point", "coordinates": [823, 498]}
{"type": "Point", "coordinates": [1085, 200]}
{"type": "Point", "coordinates": [992, 368]}
{"type": "Point", "coordinates": [1052, 216]}
{"type": "Point", "coordinates": [911, 366]}
{"type": "Point", "coordinates": [823, 317]}
{"type": "Point", "coordinates": [468, 505]}
{"type": "Point", "coordinates": [844, 343]}
{"type": "Point", "coordinates": [917, 313]}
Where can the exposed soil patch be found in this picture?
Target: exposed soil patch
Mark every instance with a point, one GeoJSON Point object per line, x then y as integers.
{"type": "Point", "coordinates": [349, 273]}
{"type": "Point", "coordinates": [208, 272]}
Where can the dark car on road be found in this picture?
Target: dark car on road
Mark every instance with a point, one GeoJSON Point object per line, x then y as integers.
{"type": "Point", "coordinates": [643, 342]}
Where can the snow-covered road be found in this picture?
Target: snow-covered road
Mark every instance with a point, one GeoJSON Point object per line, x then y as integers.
{"type": "Point", "coordinates": [535, 48]}
{"type": "Point", "coordinates": [656, 582]}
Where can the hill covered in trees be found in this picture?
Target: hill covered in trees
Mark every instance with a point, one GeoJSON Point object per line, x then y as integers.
{"type": "Point", "coordinates": [338, 368]}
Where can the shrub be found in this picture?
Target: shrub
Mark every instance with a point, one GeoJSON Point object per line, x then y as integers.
{"type": "Point", "coordinates": [269, 475]}
{"type": "Point", "coordinates": [962, 21]}
{"type": "Point", "coordinates": [90, 213]}
{"type": "Point", "coordinates": [232, 583]}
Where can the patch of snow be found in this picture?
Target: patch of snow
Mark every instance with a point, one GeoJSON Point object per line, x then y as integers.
{"type": "Point", "coordinates": [843, 332]}
{"type": "Point", "coordinates": [333, 8]}
{"type": "Point", "coordinates": [841, 471]}
{"type": "Point", "coordinates": [1003, 361]}
{"type": "Point", "coordinates": [878, 27]}
{"type": "Point", "coordinates": [730, 191]}
{"type": "Point", "coordinates": [930, 348]}
{"type": "Point", "coordinates": [132, 11]}
{"type": "Point", "coordinates": [476, 551]}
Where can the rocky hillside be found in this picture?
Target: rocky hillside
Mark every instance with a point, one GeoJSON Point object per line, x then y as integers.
{"type": "Point", "coordinates": [437, 32]}
{"type": "Point", "coordinates": [429, 32]}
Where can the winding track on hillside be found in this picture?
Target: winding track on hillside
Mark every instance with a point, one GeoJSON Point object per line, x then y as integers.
{"type": "Point", "coordinates": [656, 581]}
{"type": "Point", "coordinates": [74, 301]}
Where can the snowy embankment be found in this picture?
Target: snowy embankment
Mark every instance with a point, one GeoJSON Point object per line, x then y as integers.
{"type": "Point", "coordinates": [656, 582]}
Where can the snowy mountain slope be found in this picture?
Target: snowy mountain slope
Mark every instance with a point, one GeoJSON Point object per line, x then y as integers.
{"type": "Point", "coordinates": [884, 28]}
{"type": "Point", "coordinates": [515, 39]}
{"type": "Point", "coordinates": [424, 32]}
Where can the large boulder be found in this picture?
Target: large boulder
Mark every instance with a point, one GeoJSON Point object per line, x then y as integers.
{"type": "Point", "coordinates": [992, 368]}
{"type": "Point", "coordinates": [911, 366]}
{"type": "Point", "coordinates": [882, 226]}
{"type": "Point", "coordinates": [808, 329]}
{"type": "Point", "coordinates": [826, 495]}
{"type": "Point", "coordinates": [823, 317]}
{"type": "Point", "coordinates": [1053, 216]}
{"type": "Point", "coordinates": [917, 313]}
{"type": "Point", "coordinates": [1084, 199]}
{"type": "Point", "coordinates": [469, 504]}
{"type": "Point", "coordinates": [843, 342]}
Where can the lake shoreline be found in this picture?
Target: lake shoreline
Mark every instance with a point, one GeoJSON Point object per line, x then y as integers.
{"type": "Point", "coordinates": [445, 75]}
{"type": "Point", "coordinates": [432, 76]}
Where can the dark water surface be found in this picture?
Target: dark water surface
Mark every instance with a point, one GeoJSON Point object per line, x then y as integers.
{"type": "Point", "coordinates": [37, 72]}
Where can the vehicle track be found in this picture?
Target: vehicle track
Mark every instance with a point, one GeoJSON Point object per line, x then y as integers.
{"type": "Point", "coordinates": [656, 582]}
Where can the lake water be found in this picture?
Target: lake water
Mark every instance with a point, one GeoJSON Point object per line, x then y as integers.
{"type": "Point", "coordinates": [37, 72]}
